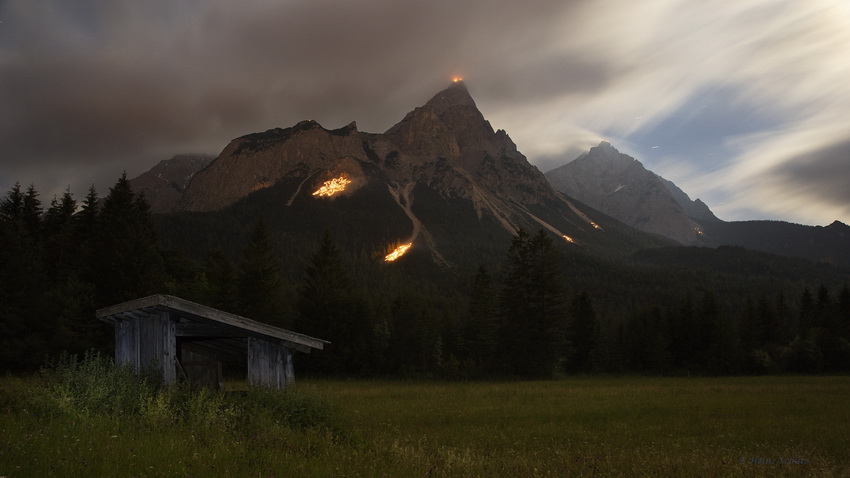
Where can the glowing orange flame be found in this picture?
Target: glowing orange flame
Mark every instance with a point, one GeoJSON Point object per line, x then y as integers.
{"type": "Point", "coordinates": [457, 79]}
{"type": "Point", "coordinates": [332, 187]}
{"type": "Point", "coordinates": [398, 252]}
{"type": "Point", "coordinates": [569, 239]}
{"type": "Point", "coordinates": [595, 226]}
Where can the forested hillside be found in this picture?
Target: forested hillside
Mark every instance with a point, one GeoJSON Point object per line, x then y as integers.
{"type": "Point", "coordinates": [534, 308]}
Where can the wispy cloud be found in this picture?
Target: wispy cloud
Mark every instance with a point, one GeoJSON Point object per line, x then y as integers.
{"type": "Point", "coordinates": [92, 88]}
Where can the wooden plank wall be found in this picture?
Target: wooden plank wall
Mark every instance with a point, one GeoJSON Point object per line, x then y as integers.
{"type": "Point", "coordinates": [269, 364]}
{"type": "Point", "coordinates": [147, 340]}
{"type": "Point", "coordinates": [127, 342]}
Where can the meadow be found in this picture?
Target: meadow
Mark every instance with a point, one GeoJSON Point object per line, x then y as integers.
{"type": "Point", "coordinates": [583, 426]}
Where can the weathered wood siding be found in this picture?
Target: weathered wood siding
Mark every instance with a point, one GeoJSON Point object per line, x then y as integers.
{"type": "Point", "coordinates": [147, 332]}
{"type": "Point", "coordinates": [127, 342]}
{"type": "Point", "coordinates": [269, 364]}
{"type": "Point", "coordinates": [147, 340]}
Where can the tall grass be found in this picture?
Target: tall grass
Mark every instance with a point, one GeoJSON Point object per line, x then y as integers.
{"type": "Point", "coordinates": [90, 417]}
{"type": "Point", "coordinates": [95, 386]}
{"type": "Point", "coordinates": [627, 426]}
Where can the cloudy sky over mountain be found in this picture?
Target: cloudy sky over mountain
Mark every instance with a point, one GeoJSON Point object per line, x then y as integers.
{"type": "Point", "coordinates": [743, 103]}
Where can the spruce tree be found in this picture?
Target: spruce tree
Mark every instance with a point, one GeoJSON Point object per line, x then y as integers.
{"type": "Point", "coordinates": [844, 313]}
{"type": "Point", "coordinates": [125, 259]}
{"type": "Point", "coordinates": [482, 326]}
{"type": "Point", "coordinates": [221, 281]}
{"type": "Point", "coordinates": [25, 329]}
{"type": "Point", "coordinates": [331, 309]}
{"type": "Point", "coordinates": [60, 246]}
{"type": "Point", "coordinates": [259, 290]}
{"type": "Point", "coordinates": [533, 307]}
{"type": "Point", "coordinates": [12, 207]}
{"type": "Point", "coordinates": [31, 213]}
{"type": "Point", "coordinates": [583, 333]}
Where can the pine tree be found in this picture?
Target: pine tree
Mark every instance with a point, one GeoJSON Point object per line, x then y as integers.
{"type": "Point", "coordinates": [60, 246]}
{"type": "Point", "coordinates": [221, 281]}
{"type": "Point", "coordinates": [86, 219]}
{"type": "Point", "coordinates": [31, 213]}
{"type": "Point", "coordinates": [718, 351]}
{"type": "Point", "coordinates": [646, 341]}
{"type": "Point", "coordinates": [125, 259]}
{"type": "Point", "coordinates": [259, 290]}
{"type": "Point", "coordinates": [583, 333]}
{"type": "Point", "coordinates": [325, 279]}
{"type": "Point", "coordinates": [823, 307]}
{"type": "Point", "coordinates": [25, 329]}
{"type": "Point", "coordinates": [329, 308]}
{"type": "Point", "coordinates": [683, 337]}
{"type": "Point", "coordinates": [844, 313]}
{"type": "Point", "coordinates": [482, 326]}
{"type": "Point", "coordinates": [12, 207]}
{"type": "Point", "coordinates": [808, 312]}
{"type": "Point", "coordinates": [533, 307]}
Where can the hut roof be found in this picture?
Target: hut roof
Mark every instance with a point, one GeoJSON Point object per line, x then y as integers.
{"type": "Point", "coordinates": [226, 332]}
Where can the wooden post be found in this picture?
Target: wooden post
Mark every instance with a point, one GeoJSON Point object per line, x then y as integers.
{"type": "Point", "coordinates": [157, 344]}
{"type": "Point", "coordinates": [269, 364]}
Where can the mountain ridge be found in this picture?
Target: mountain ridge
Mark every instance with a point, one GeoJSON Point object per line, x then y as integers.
{"type": "Point", "coordinates": [620, 186]}
{"type": "Point", "coordinates": [443, 167]}
{"type": "Point", "coordinates": [165, 183]}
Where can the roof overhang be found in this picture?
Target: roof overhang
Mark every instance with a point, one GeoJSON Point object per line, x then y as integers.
{"type": "Point", "coordinates": [201, 323]}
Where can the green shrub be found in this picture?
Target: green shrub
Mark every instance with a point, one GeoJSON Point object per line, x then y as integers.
{"type": "Point", "coordinates": [95, 386]}
{"type": "Point", "coordinates": [288, 409]}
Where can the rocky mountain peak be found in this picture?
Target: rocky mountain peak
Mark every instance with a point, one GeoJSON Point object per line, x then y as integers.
{"type": "Point", "coordinates": [165, 183]}
{"type": "Point", "coordinates": [443, 149]}
{"type": "Point", "coordinates": [456, 95]}
{"type": "Point", "coordinates": [606, 156]}
{"type": "Point", "coordinates": [440, 177]}
{"type": "Point", "coordinates": [619, 185]}
{"type": "Point", "coordinates": [450, 111]}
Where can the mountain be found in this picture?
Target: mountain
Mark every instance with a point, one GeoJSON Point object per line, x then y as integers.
{"type": "Point", "coordinates": [165, 183]}
{"type": "Point", "coordinates": [441, 178]}
{"type": "Point", "coordinates": [621, 187]}
{"type": "Point", "coordinates": [829, 244]}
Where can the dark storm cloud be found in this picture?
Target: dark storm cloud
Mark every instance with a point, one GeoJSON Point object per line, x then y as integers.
{"type": "Point", "coordinates": [106, 87]}
{"type": "Point", "coordinates": [820, 176]}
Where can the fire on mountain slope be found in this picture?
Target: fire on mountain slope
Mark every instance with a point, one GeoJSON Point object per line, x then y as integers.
{"type": "Point", "coordinates": [332, 186]}
{"type": "Point", "coordinates": [398, 252]}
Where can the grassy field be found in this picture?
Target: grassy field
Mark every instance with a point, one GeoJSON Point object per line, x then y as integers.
{"type": "Point", "coordinates": [630, 426]}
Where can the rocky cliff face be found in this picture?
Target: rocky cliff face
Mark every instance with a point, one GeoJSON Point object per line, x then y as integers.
{"type": "Point", "coordinates": [443, 166]}
{"type": "Point", "coordinates": [164, 184]}
{"type": "Point", "coordinates": [695, 209]}
{"type": "Point", "coordinates": [259, 160]}
{"type": "Point", "coordinates": [621, 187]}
{"type": "Point", "coordinates": [450, 128]}
{"type": "Point", "coordinates": [446, 144]}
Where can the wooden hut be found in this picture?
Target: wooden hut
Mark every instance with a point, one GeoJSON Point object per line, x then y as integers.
{"type": "Point", "coordinates": [189, 340]}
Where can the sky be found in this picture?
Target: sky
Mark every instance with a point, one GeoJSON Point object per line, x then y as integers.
{"type": "Point", "coordinates": [744, 104]}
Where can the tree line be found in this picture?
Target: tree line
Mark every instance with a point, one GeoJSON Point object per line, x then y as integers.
{"type": "Point", "coordinates": [527, 319]}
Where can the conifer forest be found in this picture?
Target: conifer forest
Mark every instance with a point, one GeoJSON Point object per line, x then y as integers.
{"type": "Point", "coordinates": [529, 310]}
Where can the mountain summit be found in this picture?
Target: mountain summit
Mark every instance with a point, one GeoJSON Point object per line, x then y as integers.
{"type": "Point", "coordinates": [619, 185]}
{"type": "Point", "coordinates": [441, 173]}
{"type": "Point", "coordinates": [454, 96]}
